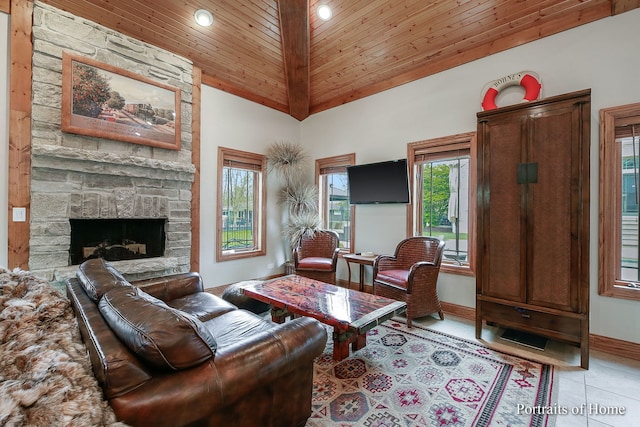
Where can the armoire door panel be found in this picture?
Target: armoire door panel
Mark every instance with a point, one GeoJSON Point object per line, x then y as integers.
{"type": "Point", "coordinates": [505, 256]}
{"type": "Point", "coordinates": [550, 211]}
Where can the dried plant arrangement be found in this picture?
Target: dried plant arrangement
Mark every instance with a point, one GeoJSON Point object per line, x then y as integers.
{"type": "Point", "coordinates": [288, 161]}
{"type": "Point", "coordinates": [300, 197]}
{"type": "Point", "coordinates": [301, 225]}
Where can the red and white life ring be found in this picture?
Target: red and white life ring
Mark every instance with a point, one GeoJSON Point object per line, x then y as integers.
{"type": "Point", "coordinates": [529, 80]}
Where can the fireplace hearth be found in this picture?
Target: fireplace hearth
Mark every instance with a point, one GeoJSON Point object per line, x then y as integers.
{"type": "Point", "coordinates": [116, 239]}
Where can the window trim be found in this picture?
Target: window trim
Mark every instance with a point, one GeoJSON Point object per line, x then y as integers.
{"type": "Point", "coordinates": [610, 208]}
{"type": "Point", "coordinates": [338, 162]}
{"type": "Point", "coordinates": [259, 161]}
{"type": "Point", "coordinates": [438, 147]}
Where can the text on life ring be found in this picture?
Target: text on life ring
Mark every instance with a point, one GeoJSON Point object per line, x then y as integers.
{"type": "Point", "coordinates": [527, 79]}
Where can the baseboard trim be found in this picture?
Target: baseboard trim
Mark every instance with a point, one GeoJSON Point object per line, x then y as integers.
{"type": "Point", "coordinates": [628, 349]}
{"type": "Point", "coordinates": [459, 310]}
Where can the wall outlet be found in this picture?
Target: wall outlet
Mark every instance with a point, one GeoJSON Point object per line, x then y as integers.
{"type": "Point", "coordinates": [270, 266]}
{"type": "Point", "coordinates": [19, 214]}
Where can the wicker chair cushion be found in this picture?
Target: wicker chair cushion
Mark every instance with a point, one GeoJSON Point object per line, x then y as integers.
{"type": "Point", "coordinates": [316, 263]}
{"type": "Point", "coordinates": [395, 277]}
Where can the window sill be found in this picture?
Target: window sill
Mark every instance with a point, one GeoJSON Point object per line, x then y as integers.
{"type": "Point", "coordinates": [230, 256]}
{"type": "Point", "coordinates": [461, 270]}
{"type": "Point", "coordinates": [621, 291]}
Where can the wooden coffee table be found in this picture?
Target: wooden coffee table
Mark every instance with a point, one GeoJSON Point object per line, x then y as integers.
{"type": "Point", "coordinates": [351, 313]}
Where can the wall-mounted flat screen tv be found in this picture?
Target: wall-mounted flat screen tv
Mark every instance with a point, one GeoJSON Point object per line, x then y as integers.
{"type": "Point", "coordinates": [383, 182]}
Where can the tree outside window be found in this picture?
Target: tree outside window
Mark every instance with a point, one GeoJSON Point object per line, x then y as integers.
{"type": "Point", "coordinates": [445, 205]}
{"type": "Point", "coordinates": [241, 201]}
{"type": "Point", "coordinates": [335, 212]}
{"type": "Point", "coordinates": [238, 204]}
{"type": "Point", "coordinates": [443, 197]}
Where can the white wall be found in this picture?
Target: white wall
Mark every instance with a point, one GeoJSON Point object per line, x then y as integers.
{"type": "Point", "coordinates": [4, 136]}
{"type": "Point", "coordinates": [379, 127]}
{"type": "Point", "coordinates": [230, 121]}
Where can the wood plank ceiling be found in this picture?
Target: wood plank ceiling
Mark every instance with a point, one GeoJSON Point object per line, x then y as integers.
{"type": "Point", "coordinates": [280, 54]}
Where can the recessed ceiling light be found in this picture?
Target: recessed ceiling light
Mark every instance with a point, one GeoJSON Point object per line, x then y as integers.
{"type": "Point", "coordinates": [203, 17]}
{"type": "Point", "coordinates": [324, 12]}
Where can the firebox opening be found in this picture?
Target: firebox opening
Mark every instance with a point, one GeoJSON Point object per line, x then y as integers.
{"type": "Point", "coordinates": [116, 239]}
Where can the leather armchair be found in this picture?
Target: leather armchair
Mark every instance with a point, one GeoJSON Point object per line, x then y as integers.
{"type": "Point", "coordinates": [410, 275]}
{"type": "Point", "coordinates": [317, 256]}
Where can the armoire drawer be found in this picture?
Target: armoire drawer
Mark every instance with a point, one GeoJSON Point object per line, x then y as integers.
{"type": "Point", "coordinates": [558, 326]}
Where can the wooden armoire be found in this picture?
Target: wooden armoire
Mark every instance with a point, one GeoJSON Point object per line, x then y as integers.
{"type": "Point", "coordinates": [533, 218]}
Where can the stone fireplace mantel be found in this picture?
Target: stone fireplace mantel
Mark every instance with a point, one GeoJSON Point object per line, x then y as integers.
{"type": "Point", "coordinates": [80, 160]}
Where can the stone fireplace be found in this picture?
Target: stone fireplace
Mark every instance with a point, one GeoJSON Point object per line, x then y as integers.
{"type": "Point", "coordinates": [76, 178]}
{"type": "Point", "coordinates": [69, 185]}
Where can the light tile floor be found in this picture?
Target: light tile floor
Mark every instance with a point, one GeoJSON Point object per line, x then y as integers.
{"type": "Point", "coordinates": [611, 383]}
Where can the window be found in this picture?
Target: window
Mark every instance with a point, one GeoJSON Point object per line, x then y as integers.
{"type": "Point", "coordinates": [241, 201]}
{"type": "Point", "coordinates": [335, 212]}
{"type": "Point", "coordinates": [443, 197]}
{"type": "Point", "coordinates": [619, 196]}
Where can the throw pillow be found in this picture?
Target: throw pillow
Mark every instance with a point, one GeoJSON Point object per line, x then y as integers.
{"type": "Point", "coordinates": [163, 336]}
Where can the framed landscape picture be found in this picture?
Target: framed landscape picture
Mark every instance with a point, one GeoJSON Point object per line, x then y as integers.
{"type": "Point", "coordinates": [108, 102]}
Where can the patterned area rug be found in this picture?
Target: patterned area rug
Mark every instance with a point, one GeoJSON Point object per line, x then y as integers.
{"type": "Point", "coordinates": [418, 377]}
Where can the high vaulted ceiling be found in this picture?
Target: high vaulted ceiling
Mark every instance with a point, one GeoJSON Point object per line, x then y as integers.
{"type": "Point", "coordinates": [280, 54]}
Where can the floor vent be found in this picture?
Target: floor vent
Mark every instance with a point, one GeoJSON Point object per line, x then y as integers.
{"type": "Point", "coordinates": [524, 338]}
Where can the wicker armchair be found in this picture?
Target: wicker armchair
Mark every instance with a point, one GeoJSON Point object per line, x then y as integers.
{"type": "Point", "coordinates": [410, 275]}
{"type": "Point", "coordinates": [317, 256]}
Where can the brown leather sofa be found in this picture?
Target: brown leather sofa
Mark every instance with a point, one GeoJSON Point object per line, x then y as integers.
{"type": "Point", "coordinates": [166, 353]}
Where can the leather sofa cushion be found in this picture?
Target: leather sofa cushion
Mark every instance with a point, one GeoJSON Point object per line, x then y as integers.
{"type": "Point", "coordinates": [163, 336]}
{"type": "Point", "coordinates": [98, 276]}
{"type": "Point", "coordinates": [236, 326]}
{"type": "Point", "coordinates": [202, 305]}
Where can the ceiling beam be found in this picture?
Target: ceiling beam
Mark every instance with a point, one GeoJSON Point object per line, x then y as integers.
{"type": "Point", "coordinates": [295, 33]}
{"type": "Point", "coordinates": [621, 6]}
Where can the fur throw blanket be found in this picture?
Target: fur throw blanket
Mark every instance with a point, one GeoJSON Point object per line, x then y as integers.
{"type": "Point", "coordinates": [46, 377]}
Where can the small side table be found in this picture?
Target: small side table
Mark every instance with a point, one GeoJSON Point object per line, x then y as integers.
{"type": "Point", "coordinates": [362, 261]}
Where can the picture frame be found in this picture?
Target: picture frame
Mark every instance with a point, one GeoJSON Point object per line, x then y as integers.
{"type": "Point", "coordinates": [104, 101]}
